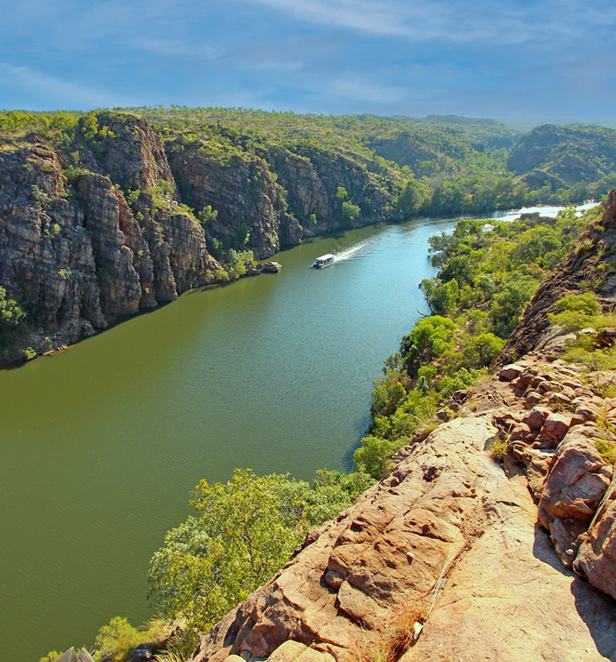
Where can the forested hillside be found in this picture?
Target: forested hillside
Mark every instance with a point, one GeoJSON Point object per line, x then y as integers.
{"type": "Point", "coordinates": [565, 157]}
{"type": "Point", "coordinates": [110, 212]}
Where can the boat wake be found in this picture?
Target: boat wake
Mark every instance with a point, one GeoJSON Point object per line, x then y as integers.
{"type": "Point", "coordinates": [352, 251]}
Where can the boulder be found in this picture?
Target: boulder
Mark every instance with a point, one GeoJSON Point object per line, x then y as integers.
{"type": "Point", "coordinates": [577, 481]}
{"type": "Point", "coordinates": [510, 372]}
{"type": "Point", "coordinates": [271, 267]}
{"type": "Point", "coordinates": [287, 652]}
{"type": "Point", "coordinates": [556, 426]}
{"type": "Point", "coordinates": [533, 399]}
{"type": "Point", "coordinates": [596, 558]}
{"type": "Point", "coordinates": [536, 418]}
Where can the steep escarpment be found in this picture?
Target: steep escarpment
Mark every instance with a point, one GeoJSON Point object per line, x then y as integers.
{"type": "Point", "coordinates": [47, 259]}
{"type": "Point", "coordinates": [453, 555]}
{"type": "Point", "coordinates": [74, 253]}
{"type": "Point", "coordinates": [114, 215]}
{"type": "Point", "coordinates": [250, 205]}
{"type": "Point", "coordinates": [269, 196]}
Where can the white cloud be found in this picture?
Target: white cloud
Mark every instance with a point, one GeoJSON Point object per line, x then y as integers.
{"type": "Point", "coordinates": [360, 90]}
{"type": "Point", "coordinates": [448, 20]}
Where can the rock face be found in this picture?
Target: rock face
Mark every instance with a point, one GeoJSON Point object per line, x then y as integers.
{"type": "Point", "coordinates": [596, 558]}
{"type": "Point", "coordinates": [447, 538]}
{"type": "Point", "coordinates": [242, 190]}
{"type": "Point", "coordinates": [106, 224]}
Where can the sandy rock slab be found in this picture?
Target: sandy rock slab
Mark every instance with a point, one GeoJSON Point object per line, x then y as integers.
{"type": "Point", "coordinates": [511, 600]}
{"type": "Point", "coordinates": [447, 528]}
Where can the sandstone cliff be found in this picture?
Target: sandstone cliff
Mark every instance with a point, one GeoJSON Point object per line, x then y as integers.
{"type": "Point", "coordinates": [454, 556]}
{"type": "Point", "coordinates": [109, 221]}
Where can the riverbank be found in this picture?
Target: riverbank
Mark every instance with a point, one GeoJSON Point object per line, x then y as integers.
{"type": "Point", "coordinates": [453, 554]}
{"type": "Point", "coordinates": [189, 389]}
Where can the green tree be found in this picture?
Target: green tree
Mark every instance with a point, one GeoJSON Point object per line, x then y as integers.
{"type": "Point", "coordinates": [245, 531]}
{"type": "Point", "coordinates": [12, 315]}
{"type": "Point", "coordinates": [412, 199]}
{"type": "Point", "coordinates": [114, 640]}
{"type": "Point", "coordinates": [350, 211]}
{"type": "Point", "coordinates": [440, 297]}
{"type": "Point", "coordinates": [243, 235]}
{"type": "Point", "coordinates": [509, 303]}
{"type": "Point", "coordinates": [373, 455]}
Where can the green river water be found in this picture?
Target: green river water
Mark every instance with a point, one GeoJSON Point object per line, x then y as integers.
{"type": "Point", "coordinates": [101, 445]}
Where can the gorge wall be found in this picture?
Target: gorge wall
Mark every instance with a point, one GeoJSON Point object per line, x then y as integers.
{"type": "Point", "coordinates": [452, 555]}
{"type": "Point", "coordinates": [118, 220]}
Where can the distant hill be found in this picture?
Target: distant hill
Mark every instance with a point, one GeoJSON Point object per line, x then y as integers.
{"type": "Point", "coordinates": [564, 156]}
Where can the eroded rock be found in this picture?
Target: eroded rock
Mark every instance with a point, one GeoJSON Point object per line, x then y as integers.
{"type": "Point", "coordinates": [596, 558]}
{"type": "Point", "coordinates": [446, 508]}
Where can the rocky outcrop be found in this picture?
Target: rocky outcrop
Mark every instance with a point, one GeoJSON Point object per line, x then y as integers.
{"type": "Point", "coordinates": [74, 254]}
{"type": "Point", "coordinates": [447, 547]}
{"type": "Point", "coordinates": [272, 197]}
{"type": "Point", "coordinates": [596, 557]}
{"type": "Point", "coordinates": [125, 148]}
{"type": "Point", "coordinates": [241, 188]}
{"type": "Point", "coordinates": [116, 243]}
{"type": "Point", "coordinates": [311, 177]}
{"type": "Point", "coordinates": [46, 257]}
{"type": "Point", "coordinates": [453, 555]}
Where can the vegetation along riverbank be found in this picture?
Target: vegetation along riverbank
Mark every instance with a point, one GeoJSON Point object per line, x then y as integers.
{"type": "Point", "coordinates": [466, 459]}
{"type": "Point", "coordinates": [109, 213]}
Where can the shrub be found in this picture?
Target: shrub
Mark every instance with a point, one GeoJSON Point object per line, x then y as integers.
{"type": "Point", "coordinates": [373, 455]}
{"type": "Point", "coordinates": [29, 353]}
{"type": "Point", "coordinates": [52, 656]}
{"type": "Point", "coordinates": [115, 640]}
{"type": "Point", "coordinates": [499, 447]}
{"type": "Point", "coordinates": [580, 303]}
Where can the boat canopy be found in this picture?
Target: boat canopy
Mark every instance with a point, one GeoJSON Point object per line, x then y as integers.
{"type": "Point", "coordinates": [325, 258]}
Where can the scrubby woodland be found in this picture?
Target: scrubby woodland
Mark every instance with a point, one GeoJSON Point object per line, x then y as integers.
{"type": "Point", "coordinates": [111, 212]}
{"type": "Point", "coordinates": [107, 213]}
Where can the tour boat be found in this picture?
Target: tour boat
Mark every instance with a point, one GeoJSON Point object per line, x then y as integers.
{"type": "Point", "coordinates": [323, 261]}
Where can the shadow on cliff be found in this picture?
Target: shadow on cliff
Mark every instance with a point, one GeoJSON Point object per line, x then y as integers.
{"type": "Point", "coordinates": [596, 609]}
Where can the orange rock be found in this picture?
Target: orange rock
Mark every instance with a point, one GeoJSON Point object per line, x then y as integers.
{"type": "Point", "coordinates": [596, 558]}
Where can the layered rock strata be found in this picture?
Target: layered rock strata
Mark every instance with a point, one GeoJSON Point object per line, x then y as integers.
{"type": "Point", "coordinates": [110, 222]}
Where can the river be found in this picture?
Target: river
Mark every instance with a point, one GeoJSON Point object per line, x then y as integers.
{"type": "Point", "coordinates": [102, 444]}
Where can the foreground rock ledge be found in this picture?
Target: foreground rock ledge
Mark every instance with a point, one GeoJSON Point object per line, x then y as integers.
{"type": "Point", "coordinates": [447, 535]}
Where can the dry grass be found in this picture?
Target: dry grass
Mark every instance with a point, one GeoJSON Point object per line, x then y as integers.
{"type": "Point", "coordinates": [499, 447]}
{"type": "Point", "coordinates": [606, 441]}
{"type": "Point", "coordinates": [400, 633]}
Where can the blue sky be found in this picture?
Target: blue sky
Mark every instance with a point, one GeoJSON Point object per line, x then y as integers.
{"type": "Point", "coordinates": [547, 59]}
